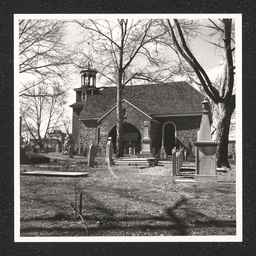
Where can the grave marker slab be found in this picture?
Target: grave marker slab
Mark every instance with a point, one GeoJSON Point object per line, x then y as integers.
{"type": "Point", "coordinates": [91, 156]}
{"type": "Point", "coordinates": [109, 152]}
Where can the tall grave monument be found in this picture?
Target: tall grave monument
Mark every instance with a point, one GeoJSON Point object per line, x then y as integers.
{"type": "Point", "coordinates": [205, 148]}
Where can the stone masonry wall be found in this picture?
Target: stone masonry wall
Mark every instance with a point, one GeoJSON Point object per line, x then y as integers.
{"type": "Point", "coordinates": [85, 139]}
{"type": "Point", "coordinates": [186, 130]}
{"type": "Point", "coordinates": [90, 132]}
{"type": "Point", "coordinates": [75, 125]}
{"type": "Point", "coordinates": [133, 116]}
{"type": "Point", "coordinates": [155, 135]}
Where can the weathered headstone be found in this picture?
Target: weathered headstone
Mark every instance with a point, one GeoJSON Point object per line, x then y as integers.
{"type": "Point", "coordinates": [174, 173]}
{"type": "Point", "coordinates": [163, 154]}
{"type": "Point", "coordinates": [205, 149]}
{"type": "Point", "coordinates": [154, 152]}
{"type": "Point", "coordinates": [158, 153]}
{"type": "Point", "coordinates": [109, 151]}
{"type": "Point", "coordinates": [70, 151]}
{"type": "Point", "coordinates": [84, 151]}
{"type": "Point", "coordinates": [91, 156]}
{"type": "Point", "coordinates": [185, 155]}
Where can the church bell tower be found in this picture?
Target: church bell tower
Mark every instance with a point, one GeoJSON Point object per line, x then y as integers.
{"type": "Point", "coordinates": [88, 78]}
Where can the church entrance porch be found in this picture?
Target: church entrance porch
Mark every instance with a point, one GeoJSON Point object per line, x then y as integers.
{"type": "Point", "coordinates": [131, 139]}
{"type": "Point", "coordinates": [169, 137]}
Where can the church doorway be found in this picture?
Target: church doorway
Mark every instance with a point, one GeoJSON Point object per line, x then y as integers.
{"type": "Point", "coordinates": [169, 137]}
{"type": "Point", "coordinates": [131, 139]}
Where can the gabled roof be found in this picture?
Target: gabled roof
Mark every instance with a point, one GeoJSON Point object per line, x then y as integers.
{"type": "Point", "coordinates": [124, 100]}
{"type": "Point", "coordinates": [153, 99]}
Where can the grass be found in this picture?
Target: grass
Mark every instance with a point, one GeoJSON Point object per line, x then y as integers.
{"type": "Point", "coordinates": [139, 202]}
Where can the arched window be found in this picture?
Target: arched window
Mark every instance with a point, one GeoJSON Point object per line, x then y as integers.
{"type": "Point", "coordinates": [83, 96]}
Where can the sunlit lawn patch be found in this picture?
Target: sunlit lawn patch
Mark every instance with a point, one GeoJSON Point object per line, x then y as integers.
{"type": "Point", "coordinates": [139, 202]}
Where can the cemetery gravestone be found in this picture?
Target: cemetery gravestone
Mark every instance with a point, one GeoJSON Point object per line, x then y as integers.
{"type": "Point", "coordinates": [205, 149]}
{"type": "Point", "coordinates": [70, 148]}
{"type": "Point", "coordinates": [109, 151]}
{"type": "Point", "coordinates": [91, 156]}
{"type": "Point", "coordinates": [70, 151]}
{"type": "Point", "coordinates": [174, 161]}
{"type": "Point", "coordinates": [146, 140]}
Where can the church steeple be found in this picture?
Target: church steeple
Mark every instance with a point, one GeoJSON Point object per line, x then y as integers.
{"type": "Point", "coordinates": [88, 77]}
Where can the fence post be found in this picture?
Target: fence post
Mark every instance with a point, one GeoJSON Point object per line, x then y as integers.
{"type": "Point", "coordinates": [174, 162]}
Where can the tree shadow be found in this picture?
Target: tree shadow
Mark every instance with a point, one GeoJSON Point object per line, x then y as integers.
{"type": "Point", "coordinates": [180, 219]}
{"type": "Point", "coordinates": [182, 227]}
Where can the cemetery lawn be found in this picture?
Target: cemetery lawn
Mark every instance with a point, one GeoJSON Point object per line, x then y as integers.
{"type": "Point", "coordinates": [137, 202]}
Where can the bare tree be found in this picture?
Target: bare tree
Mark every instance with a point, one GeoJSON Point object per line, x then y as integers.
{"type": "Point", "coordinates": [222, 94]}
{"type": "Point", "coordinates": [41, 112]}
{"type": "Point", "coordinates": [44, 66]}
{"type": "Point", "coordinates": [124, 51]}
{"type": "Point", "coordinates": [65, 124]}
{"type": "Point", "coordinates": [43, 54]}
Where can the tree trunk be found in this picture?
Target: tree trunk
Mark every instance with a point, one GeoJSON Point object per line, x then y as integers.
{"type": "Point", "coordinates": [225, 113]}
{"type": "Point", "coordinates": [40, 143]}
{"type": "Point", "coordinates": [119, 123]}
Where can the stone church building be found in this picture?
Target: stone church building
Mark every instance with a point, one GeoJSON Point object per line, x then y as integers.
{"type": "Point", "coordinates": [154, 115]}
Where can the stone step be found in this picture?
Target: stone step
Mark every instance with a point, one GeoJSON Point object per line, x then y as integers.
{"type": "Point", "coordinates": [134, 164]}
{"type": "Point", "coordinates": [193, 168]}
{"type": "Point", "coordinates": [136, 159]}
{"type": "Point", "coordinates": [142, 162]}
{"type": "Point", "coordinates": [183, 180]}
{"type": "Point", "coordinates": [186, 174]}
{"type": "Point", "coordinates": [188, 168]}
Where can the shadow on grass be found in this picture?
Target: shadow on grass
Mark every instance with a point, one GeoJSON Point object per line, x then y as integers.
{"type": "Point", "coordinates": [228, 190]}
{"type": "Point", "coordinates": [216, 223]}
{"type": "Point", "coordinates": [190, 219]}
{"type": "Point", "coordinates": [182, 227]}
{"type": "Point", "coordinates": [178, 220]}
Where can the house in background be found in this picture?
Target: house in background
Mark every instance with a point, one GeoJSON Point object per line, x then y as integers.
{"type": "Point", "coordinates": [154, 115]}
{"type": "Point", "coordinates": [55, 141]}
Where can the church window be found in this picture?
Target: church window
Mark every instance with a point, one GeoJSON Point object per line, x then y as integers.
{"type": "Point", "coordinates": [124, 112]}
{"type": "Point", "coordinates": [83, 96]}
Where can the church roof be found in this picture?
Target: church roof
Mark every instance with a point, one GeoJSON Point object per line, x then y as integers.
{"type": "Point", "coordinates": [154, 99]}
